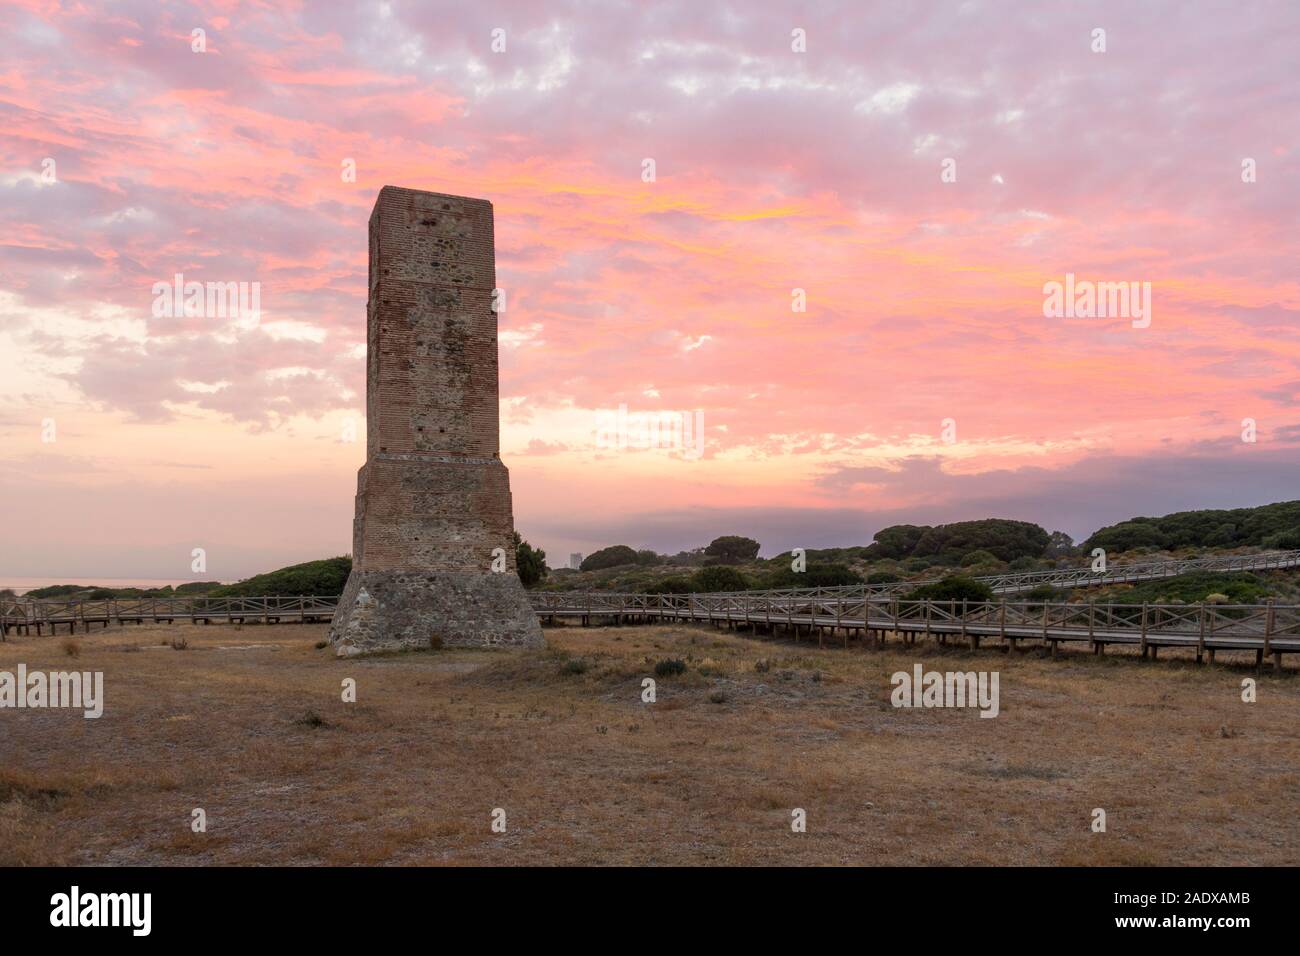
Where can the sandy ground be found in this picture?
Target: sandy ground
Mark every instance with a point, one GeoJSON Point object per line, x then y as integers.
{"type": "Point", "coordinates": [248, 723]}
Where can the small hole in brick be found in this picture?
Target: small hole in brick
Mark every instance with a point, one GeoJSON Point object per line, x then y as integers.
{"type": "Point", "coordinates": [442, 429]}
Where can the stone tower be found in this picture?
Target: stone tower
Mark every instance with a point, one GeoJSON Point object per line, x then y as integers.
{"type": "Point", "coordinates": [433, 559]}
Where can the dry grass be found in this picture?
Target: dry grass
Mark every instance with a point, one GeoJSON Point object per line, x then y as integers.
{"type": "Point", "coordinates": [249, 725]}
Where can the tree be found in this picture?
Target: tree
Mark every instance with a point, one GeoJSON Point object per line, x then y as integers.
{"type": "Point", "coordinates": [612, 557]}
{"type": "Point", "coordinates": [897, 541]}
{"type": "Point", "coordinates": [1004, 538]}
{"type": "Point", "coordinates": [648, 558]}
{"type": "Point", "coordinates": [1236, 527]}
{"type": "Point", "coordinates": [1059, 545]}
{"type": "Point", "coordinates": [530, 562]}
{"type": "Point", "coordinates": [732, 549]}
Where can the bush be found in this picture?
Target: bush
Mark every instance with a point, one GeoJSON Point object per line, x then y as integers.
{"type": "Point", "coordinates": [718, 578]}
{"type": "Point", "coordinates": [670, 667]}
{"type": "Point", "coordinates": [883, 577]}
{"type": "Point", "coordinates": [1044, 592]}
{"type": "Point", "coordinates": [1284, 540]}
{"type": "Point", "coordinates": [677, 585]}
{"type": "Point", "coordinates": [530, 562]}
{"type": "Point", "coordinates": [324, 578]}
{"type": "Point", "coordinates": [1198, 586]}
{"type": "Point", "coordinates": [814, 576]}
{"type": "Point", "coordinates": [575, 665]}
{"type": "Point", "coordinates": [977, 557]}
{"type": "Point", "coordinates": [955, 587]}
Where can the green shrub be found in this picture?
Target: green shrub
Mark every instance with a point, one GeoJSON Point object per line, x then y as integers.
{"type": "Point", "coordinates": [718, 578]}
{"type": "Point", "coordinates": [677, 585]}
{"type": "Point", "coordinates": [314, 578]}
{"type": "Point", "coordinates": [955, 587]}
{"type": "Point", "coordinates": [530, 562]}
{"type": "Point", "coordinates": [814, 576]}
{"type": "Point", "coordinates": [575, 665]}
{"type": "Point", "coordinates": [670, 667]}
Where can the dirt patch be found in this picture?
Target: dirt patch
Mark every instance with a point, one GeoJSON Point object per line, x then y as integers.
{"type": "Point", "coordinates": [588, 770]}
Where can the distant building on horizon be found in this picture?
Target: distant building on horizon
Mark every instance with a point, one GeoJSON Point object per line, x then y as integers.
{"type": "Point", "coordinates": [575, 560]}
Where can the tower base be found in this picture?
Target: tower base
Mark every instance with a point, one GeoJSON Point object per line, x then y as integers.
{"type": "Point", "coordinates": [418, 610]}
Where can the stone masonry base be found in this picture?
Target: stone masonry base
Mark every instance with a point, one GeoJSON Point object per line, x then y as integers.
{"type": "Point", "coordinates": [417, 610]}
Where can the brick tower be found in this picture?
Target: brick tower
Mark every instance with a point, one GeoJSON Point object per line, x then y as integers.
{"type": "Point", "coordinates": [433, 514]}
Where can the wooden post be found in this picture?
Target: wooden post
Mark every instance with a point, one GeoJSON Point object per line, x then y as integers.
{"type": "Point", "coordinates": [1200, 641]}
{"type": "Point", "coordinates": [1268, 627]}
{"type": "Point", "coordinates": [1144, 629]}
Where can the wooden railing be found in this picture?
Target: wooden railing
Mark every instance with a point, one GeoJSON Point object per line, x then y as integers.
{"type": "Point", "coordinates": [39, 615]}
{"type": "Point", "coordinates": [1268, 628]}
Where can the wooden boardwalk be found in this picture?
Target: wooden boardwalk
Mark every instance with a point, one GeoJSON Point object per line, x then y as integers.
{"type": "Point", "coordinates": [1270, 630]}
{"type": "Point", "coordinates": [837, 614]}
{"type": "Point", "coordinates": [28, 616]}
{"type": "Point", "coordinates": [1014, 582]}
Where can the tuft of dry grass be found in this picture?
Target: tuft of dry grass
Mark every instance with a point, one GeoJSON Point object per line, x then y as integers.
{"type": "Point", "coordinates": [250, 725]}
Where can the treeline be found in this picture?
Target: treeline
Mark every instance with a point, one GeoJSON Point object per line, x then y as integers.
{"type": "Point", "coordinates": [1275, 526]}
{"type": "Point", "coordinates": [96, 592]}
{"type": "Point", "coordinates": [731, 562]}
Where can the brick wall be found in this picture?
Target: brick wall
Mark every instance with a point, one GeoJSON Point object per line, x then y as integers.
{"type": "Point", "coordinates": [433, 494]}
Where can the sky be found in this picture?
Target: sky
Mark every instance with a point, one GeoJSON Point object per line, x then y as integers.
{"type": "Point", "coordinates": [825, 232]}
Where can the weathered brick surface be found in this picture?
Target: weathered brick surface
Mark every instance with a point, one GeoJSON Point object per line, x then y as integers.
{"type": "Point", "coordinates": [433, 499]}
